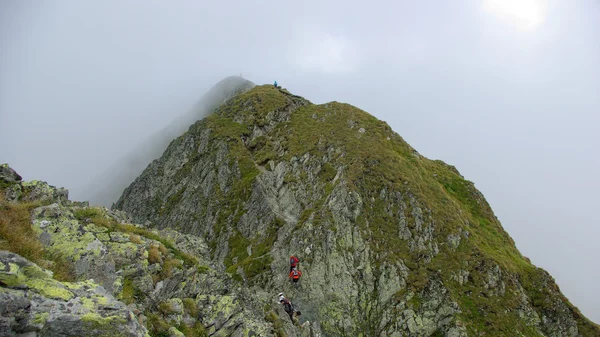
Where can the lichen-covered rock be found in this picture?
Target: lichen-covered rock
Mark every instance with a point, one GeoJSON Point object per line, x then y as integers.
{"type": "Point", "coordinates": [8, 175]}
{"type": "Point", "coordinates": [40, 191]}
{"type": "Point", "coordinates": [33, 303]}
{"type": "Point", "coordinates": [164, 275]}
{"type": "Point", "coordinates": [29, 191]}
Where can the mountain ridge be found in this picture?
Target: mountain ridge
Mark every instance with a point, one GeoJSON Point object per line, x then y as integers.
{"type": "Point", "coordinates": [269, 169]}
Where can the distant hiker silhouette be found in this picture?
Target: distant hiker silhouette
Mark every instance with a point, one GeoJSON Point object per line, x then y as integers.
{"type": "Point", "coordinates": [293, 262]}
{"type": "Point", "coordinates": [275, 84]}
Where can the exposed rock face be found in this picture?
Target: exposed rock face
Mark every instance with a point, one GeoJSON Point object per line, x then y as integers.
{"type": "Point", "coordinates": [391, 243]}
{"type": "Point", "coordinates": [34, 304]}
{"type": "Point", "coordinates": [14, 189]}
{"type": "Point", "coordinates": [131, 278]}
{"type": "Point", "coordinates": [8, 175]}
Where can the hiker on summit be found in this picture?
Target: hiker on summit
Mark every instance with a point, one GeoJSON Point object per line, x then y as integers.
{"type": "Point", "coordinates": [295, 275]}
{"type": "Point", "coordinates": [293, 262]}
{"type": "Point", "coordinates": [275, 84]}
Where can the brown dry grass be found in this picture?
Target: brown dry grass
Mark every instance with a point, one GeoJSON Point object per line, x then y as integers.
{"type": "Point", "coordinates": [134, 238]}
{"type": "Point", "coordinates": [17, 236]}
{"type": "Point", "coordinates": [154, 255]}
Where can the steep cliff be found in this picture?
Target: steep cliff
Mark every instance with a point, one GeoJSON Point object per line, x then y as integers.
{"type": "Point", "coordinates": [67, 269]}
{"type": "Point", "coordinates": [391, 243]}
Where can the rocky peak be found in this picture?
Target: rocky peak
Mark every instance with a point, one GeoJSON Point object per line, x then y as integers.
{"type": "Point", "coordinates": [391, 243]}
{"type": "Point", "coordinates": [8, 176]}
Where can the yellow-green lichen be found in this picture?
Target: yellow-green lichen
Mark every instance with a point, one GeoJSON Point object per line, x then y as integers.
{"type": "Point", "coordinates": [101, 300]}
{"type": "Point", "coordinates": [35, 272]}
{"type": "Point", "coordinates": [126, 249]}
{"type": "Point", "coordinates": [95, 228]}
{"type": "Point", "coordinates": [108, 324]}
{"type": "Point", "coordinates": [225, 306]}
{"type": "Point", "coordinates": [87, 303]}
{"type": "Point", "coordinates": [118, 284]}
{"type": "Point", "coordinates": [50, 288]}
{"type": "Point", "coordinates": [20, 276]}
{"type": "Point", "coordinates": [11, 279]}
{"type": "Point", "coordinates": [13, 268]}
{"type": "Point", "coordinates": [103, 237]}
{"type": "Point", "coordinates": [41, 318]}
{"type": "Point", "coordinates": [79, 285]}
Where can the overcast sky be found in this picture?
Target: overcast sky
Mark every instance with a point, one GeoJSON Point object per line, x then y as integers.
{"type": "Point", "coordinates": [508, 91]}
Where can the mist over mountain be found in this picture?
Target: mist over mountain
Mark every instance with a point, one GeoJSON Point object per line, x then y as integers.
{"type": "Point", "coordinates": [106, 188]}
{"type": "Point", "coordinates": [387, 241]}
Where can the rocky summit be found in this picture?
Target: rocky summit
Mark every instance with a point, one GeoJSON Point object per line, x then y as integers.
{"type": "Point", "coordinates": [389, 243]}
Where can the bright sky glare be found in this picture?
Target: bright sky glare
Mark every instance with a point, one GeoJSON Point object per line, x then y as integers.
{"type": "Point", "coordinates": [527, 14]}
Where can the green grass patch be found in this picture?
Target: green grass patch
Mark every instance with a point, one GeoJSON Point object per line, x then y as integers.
{"type": "Point", "coordinates": [157, 326]}
{"type": "Point", "coordinates": [277, 324]}
{"type": "Point", "coordinates": [195, 330]}
{"type": "Point", "coordinates": [260, 260]}
{"type": "Point", "coordinates": [130, 293]}
{"type": "Point", "coordinates": [190, 307]}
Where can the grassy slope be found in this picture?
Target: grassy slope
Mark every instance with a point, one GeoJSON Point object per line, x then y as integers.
{"type": "Point", "coordinates": [376, 159]}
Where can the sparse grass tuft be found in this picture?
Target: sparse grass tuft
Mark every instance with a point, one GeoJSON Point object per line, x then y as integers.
{"type": "Point", "coordinates": [196, 330]}
{"type": "Point", "coordinates": [157, 326]}
{"type": "Point", "coordinates": [190, 307]}
{"type": "Point", "coordinates": [134, 238]}
{"type": "Point", "coordinates": [87, 213]}
{"type": "Point", "coordinates": [154, 255]}
{"type": "Point", "coordinates": [166, 308]}
{"type": "Point", "coordinates": [278, 329]}
{"type": "Point", "coordinates": [168, 267]}
{"type": "Point", "coordinates": [16, 232]}
{"type": "Point", "coordinates": [128, 293]}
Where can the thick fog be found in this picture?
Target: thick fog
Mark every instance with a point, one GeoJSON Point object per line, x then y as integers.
{"type": "Point", "coordinates": [508, 91]}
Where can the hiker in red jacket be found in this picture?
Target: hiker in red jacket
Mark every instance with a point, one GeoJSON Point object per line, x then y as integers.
{"type": "Point", "coordinates": [293, 262]}
{"type": "Point", "coordinates": [295, 275]}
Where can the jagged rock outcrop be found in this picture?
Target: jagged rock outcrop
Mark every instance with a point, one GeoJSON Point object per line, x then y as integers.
{"type": "Point", "coordinates": [8, 176]}
{"type": "Point", "coordinates": [32, 303]}
{"type": "Point", "coordinates": [391, 243]}
{"type": "Point", "coordinates": [132, 280]}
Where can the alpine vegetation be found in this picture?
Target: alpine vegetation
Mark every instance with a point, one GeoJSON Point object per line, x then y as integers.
{"type": "Point", "coordinates": [273, 216]}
